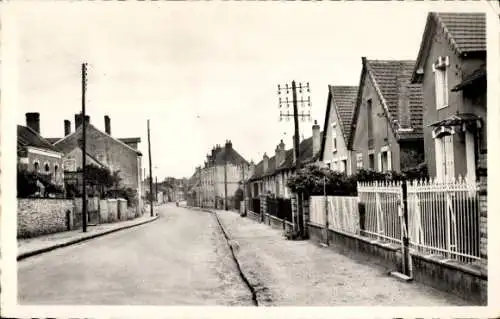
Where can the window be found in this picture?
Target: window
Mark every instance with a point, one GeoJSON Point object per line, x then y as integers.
{"type": "Point", "coordinates": [371, 160]}
{"type": "Point", "coordinates": [36, 166]}
{"type": "Point", "coordinates": [329, 165]}
{"type": "Point", "coordinates": [441, 81]}
{"type": "Point", "coordinates": [334, 137]}
{"type": "Point", "coordinates": [343, 169]}
{"type": "Point", "coordinates": [359, 161]}
{"type": "Point", "coordinates": [56, 168]}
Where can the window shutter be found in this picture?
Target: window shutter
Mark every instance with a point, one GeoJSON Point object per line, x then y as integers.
{"type": "Point", "coordinates": [389, 160]}
{"type": "Point", "coordinates": [379, 160]}
{"type": "Point", "coordinates": [439, 158]}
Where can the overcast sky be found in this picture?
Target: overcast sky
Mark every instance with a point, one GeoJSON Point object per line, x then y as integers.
{"type": "Point", "coordinates": [202, 72]}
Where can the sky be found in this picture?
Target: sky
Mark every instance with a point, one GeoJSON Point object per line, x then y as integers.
{"type": "Point", "coordinates": [202, 72]}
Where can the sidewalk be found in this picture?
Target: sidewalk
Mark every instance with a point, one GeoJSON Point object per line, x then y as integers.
{"type": "Point", "coordinates": [302, 273]}
{"type": "Point", "coordinates": [37, 245]}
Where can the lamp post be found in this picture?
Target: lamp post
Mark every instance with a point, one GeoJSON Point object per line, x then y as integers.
{"type": "Point", "coordinates": [305, 101]}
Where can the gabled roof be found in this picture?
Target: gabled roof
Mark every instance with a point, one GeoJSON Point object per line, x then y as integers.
{"type": "Point", "coordinates": [228, 153]}
{"type": "Point", "coordinates": [305, 155]}
{"type": "Point", "coordinates": [465, 33]}
{"type": "Point", "coordinates": [127, 140]}
{"type": "Point", "coordinates": [67, 143]}
{"type": "Point", "coordinates": [28, 137]}
{"type": "Point", "coordinates": [343, 98]}
{"type": "Point", "coordinates": [52, 140]}
{"type": "Point", "coordinates": [388, 78]}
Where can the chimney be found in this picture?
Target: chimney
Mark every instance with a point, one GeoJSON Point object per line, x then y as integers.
{"type": "Point", "coordinates": [107, 125]}
{"type": "Point", "coordinates": [265, 161]}
{"type": "Point", "coordinates": [79, 120]}
{"type": "Point", "coordinates": [316, 140]}
{"type": "Point", "coordinates": [33, 121]}
{"type": "Point", "coordinates": [67, 127]}
{"type": "Point", "coordinates": [403, 102]}
{"type": "Point", "coordinates": [229, 145]}
{"type": "Point", "coordinates": [280, 153]}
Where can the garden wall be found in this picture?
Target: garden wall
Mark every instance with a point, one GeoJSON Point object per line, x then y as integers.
{"type": "Point", "coordinates": [42, 216]}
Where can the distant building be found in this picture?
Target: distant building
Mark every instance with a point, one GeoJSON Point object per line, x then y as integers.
{"type": "Point", "coordinates": [35, 154]}
{"type": "Point", "coordinates": [224, 169]}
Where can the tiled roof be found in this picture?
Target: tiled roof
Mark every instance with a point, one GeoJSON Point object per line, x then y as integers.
{"type": "Point", "coordinates": [344, 98]}
{"type": "Point", "coordinates": [229, 154]}
{"type": "Point", "coordinates": [466, 31]}
{"type": "Point", "coordinates": [127, 140]}
{"type": "Point", "coordinates": [389, 76]}
{"type": "Point", "coordinates": [478, 75]}
{"type": "Point", "coordinates": [306, 155]}
{"type": "Point", "coordinates": [28, 137]}
{"type": "Point", "coordinates": [52, 140]}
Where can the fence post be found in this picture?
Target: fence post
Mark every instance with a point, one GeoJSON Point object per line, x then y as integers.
{"type": "Point", "coordinates": [406, 241]}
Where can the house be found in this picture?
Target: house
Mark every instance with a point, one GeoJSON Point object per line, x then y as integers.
{"type": "Point", "coordinates": [223, 171]}
{"type": "Point", "coordinates": [35, 154]}
{"type": "Point", "coordinates": [271, 174]}
{"type": "Point", "coordinates": [386, 130]}
{"type": "Point", "coordinates": [103, 149]}
{"type": "Point", "coordinates": [334, 153]}
{"type": "Point", "coordinates": [451, 67]}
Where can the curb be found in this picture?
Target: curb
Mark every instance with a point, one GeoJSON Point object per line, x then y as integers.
{"type": "Point", "coordinates": [79, 240]}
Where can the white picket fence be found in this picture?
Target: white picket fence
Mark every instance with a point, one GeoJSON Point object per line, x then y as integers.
{"type": "Point", "coordinates": [443, 218]}
{"type": "Point", "coordinates": [342, 212]}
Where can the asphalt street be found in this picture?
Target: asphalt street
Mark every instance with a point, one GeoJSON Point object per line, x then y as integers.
{"type": "Point", "coordinates": [180, 259]}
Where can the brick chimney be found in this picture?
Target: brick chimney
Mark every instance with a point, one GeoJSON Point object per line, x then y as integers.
{"type": "Point", "coordinates": [403, 101]}
{"type": "Point", "coordinates": [33, 121]}
{"type": "Point", "coordinates": [316, 140]}
{"type": "Point", "coordinates": [229, 144]}
{"type": "Point", "coordinates": [265, 161]}
{"type": "Point", "coordinates": [280, 153]}
{"type": "Point", "coordinates": [107, 124]}
{"type": "Point", "coordinates": [79, 121]}
{"type": "Point", "coordinates": [67, 127]}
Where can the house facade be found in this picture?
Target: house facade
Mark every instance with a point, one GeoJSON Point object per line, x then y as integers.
{"type": "Point", "coordinates": [35, 154]}
{"type": "Point", "coordinates": [272, 173]}
{"type": "Point", "coordinates": [223, 171]}
{"type": "Point", "coordinates": [386, 130]}
{"type": "Point", "coordinates": [102, 149]}
{"type": "Point", "coordinates": [334, 153]}
{"type": "Point", "coordinates": [451, 67]}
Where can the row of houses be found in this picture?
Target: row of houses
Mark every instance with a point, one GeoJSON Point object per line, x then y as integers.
{"type": "Point", "coordinates": [402, 114]}
{"type": "Point", "coordinates": [60, 158]}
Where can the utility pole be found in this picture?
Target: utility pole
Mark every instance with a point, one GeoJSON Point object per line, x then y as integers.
{"type": "Point", "coordinates": [150, 173]}
{"type": "Point", "coordinates": [244, 189]}
{"type": "Point", "coordinates": [156, 188]}
{"type": "Point", "coordinates": [225, 179]}
{"type": "Point", "coordinates": [303, 89]}
{"type": "Point", "coordinates": [84, 149]}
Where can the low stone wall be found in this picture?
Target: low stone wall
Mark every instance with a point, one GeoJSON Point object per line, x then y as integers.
{"type": "Point", "coordinates": [37, 217]}
{"type": "Point", "coordinates": [112, 210]}
{"type": "Point", "coordinates": [122, 209]}
{"type": "Point", "coordinates": [468, 282]}
{"type": "Point", "coordinates": [103, 211]}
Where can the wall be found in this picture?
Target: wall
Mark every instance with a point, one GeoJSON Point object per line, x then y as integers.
{"type": "Point", "coordinates": [37, 217]}
{"type": "Point", "coordinates": [381, 130]}
{"type": "Point", "coordinates": [441, 47]}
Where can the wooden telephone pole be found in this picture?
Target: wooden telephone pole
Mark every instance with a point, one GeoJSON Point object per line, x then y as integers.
{"type": "Point", "coordinates": [299, 220]}
{"type": "Point", "coordinates": [84, 149]}
{"type": "Point", "coordinates": [150, 173]}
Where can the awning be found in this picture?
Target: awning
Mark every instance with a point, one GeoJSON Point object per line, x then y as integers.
{"type": "Point", "coordinates": [477, 75]}
{"type": "Point", "coordinates": [457, 120]}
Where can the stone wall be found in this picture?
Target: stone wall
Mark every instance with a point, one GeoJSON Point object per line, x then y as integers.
{"type": "Point", "coordinates": [122, 209]}
{"type": "Point", "coordinates": [37, 217]}
{"type": "Point", "coordinates": [103, 212]}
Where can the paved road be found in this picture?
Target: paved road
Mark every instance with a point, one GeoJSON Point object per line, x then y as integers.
{"type": "Point", "coordinates": [180, 259]}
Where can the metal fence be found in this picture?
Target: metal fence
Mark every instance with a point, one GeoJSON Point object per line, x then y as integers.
{"type": "Point", "coordinates": [254, 205]}
{"type": "Point", "coordinates": [381, 203]}
{"type": "Point", "coordinates": [443, 219]}
{"type": "Point", "coordinates": [280, 208]}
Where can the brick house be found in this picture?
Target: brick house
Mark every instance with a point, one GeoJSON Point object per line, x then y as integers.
{"type": "Point", "coordinates": [103, 149]}
{"type": "Point", "coordinates": [224, 165]}
{"type": "Point", "coordinates": [451, 67]}
{"type": "Point", "coordinates": [35, 154]}
{"type": "Point", "coordinates": [272, 174]}
{"type": "Point", "coordinates": [386, 130]}
{"type": "Point", "coordinates": [334, 153]}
